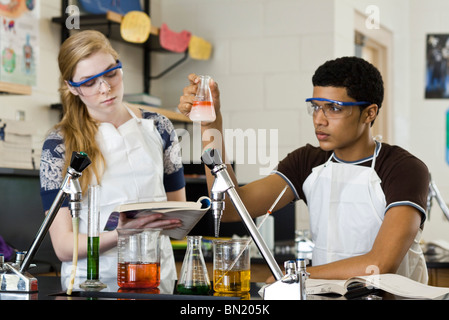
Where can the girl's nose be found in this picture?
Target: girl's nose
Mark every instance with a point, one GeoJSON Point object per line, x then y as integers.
{"type": "Point", "coordinates": [104, 86]}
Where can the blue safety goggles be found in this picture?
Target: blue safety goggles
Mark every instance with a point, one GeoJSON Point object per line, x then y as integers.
{"type": "Point", "coordinates": [340, 103]}
{"type": "Point", "coordinates": [80, 83]}
{"type": "Point", "coordinates": [332, 109]}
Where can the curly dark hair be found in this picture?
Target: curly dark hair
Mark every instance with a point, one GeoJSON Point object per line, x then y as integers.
{"type": "Point", "coordinates": [363, 82]}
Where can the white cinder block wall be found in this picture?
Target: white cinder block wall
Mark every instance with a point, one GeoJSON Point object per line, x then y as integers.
{"type": "Point", "coordinates": [264, 54]}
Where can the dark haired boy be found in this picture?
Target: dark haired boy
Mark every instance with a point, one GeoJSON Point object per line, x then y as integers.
{"type": "Point", "coordinates": [366, 199]}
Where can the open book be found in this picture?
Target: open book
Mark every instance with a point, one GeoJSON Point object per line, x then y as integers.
{"type": "Point", "coordinates": [188, 212]}
{"type": "Point", "coordinates": [391, 283]}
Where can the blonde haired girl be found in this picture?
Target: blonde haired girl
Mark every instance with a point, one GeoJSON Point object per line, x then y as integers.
{"type": "Point", "coordinates": [135, 153]}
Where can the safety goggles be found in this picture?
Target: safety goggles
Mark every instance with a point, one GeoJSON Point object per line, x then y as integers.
{"type": "Point", "coordinates": [91, 86]}
{"type": "Point", "coordinates": [332, 109]}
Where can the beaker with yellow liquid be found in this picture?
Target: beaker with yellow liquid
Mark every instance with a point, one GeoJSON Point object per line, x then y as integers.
{"type": "Point", "coordinates": [232, 267]}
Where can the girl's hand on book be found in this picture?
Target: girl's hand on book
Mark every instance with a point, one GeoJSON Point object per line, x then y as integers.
{"type": "Point", "coordinates": [156, 220]}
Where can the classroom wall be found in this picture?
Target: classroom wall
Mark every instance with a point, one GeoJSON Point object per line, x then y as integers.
{"type": "Point", "coordinates": [264, 54]}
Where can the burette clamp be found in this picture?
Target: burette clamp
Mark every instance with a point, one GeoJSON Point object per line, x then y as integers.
{"type": "Point", "coordinates": [224, 184]}
{"type": "Point", "coordinates": [292, 286]}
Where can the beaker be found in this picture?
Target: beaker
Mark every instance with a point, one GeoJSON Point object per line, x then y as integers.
{"type": "Point", "coordinates": [138, 258]}
{"type": "Point", "coordinates": [203, 106]}
{"type": "Point", "coordinates": [93, 240]}
{"type": "Point", "coordinates": [232, 268]}
{"type": "Point", "coordinates": [194, 278]}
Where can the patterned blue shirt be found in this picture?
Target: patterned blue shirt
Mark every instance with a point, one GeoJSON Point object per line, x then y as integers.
{"type": "Point", "coordinates": [53, 159]}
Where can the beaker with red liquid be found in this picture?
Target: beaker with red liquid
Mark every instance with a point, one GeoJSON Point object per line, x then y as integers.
{"type": "Point", "coordinates": [138, 258]}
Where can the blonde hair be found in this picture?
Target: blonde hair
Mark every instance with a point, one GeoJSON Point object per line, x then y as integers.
{"type": "Point", "coordinates": [76, 125]}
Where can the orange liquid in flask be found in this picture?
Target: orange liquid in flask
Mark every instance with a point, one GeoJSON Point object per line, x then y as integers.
{"type": "Point", "coordinates": [203, 111]}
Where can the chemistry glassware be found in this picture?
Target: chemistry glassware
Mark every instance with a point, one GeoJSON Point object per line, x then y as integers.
{"type": "Point", "coordinates": [203, 106]}
{"type": "Point", "coordinates": [138, 258]}
{"type": "Point", "coordinates": [194, 278]}
{"type": "Point", "coordinates": [304, 246]}
{"type": "Point", "coordinates": [93, 240]}
{"type": "Point", "coordinates": [232, 268]}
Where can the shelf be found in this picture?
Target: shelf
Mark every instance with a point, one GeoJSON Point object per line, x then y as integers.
{"type": "Point", "coordinates": [19, 172]}
{"type": "Point", "coordinates": [14, 88]}
{"type": "Point", "coordinates": [172, 115]}
{"type": "Point", "coordinates": [109, 25]}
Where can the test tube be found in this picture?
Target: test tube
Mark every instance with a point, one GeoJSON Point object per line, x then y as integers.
{"type": "Point", "coordinates": [93, 240]}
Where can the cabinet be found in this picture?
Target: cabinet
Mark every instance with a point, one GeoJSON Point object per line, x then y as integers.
{"type": "Point", "coordinates": [22, 215]}
{"type": "Point", "coordinates": [14, 88]}
{"type": "Point", "coordinates": [439, 277]}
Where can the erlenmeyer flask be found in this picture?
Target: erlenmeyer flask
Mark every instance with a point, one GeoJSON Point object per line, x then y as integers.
{"type": "Point", "coordinates": [194, 278]}
{"type": "Point", "coordinates": [203, 106]}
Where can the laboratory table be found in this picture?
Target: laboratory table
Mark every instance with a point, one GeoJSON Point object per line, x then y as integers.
{"type": "Point", "coordinates": [50, 289]}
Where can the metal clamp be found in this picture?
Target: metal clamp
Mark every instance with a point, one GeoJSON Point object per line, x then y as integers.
{"type": "Point", "coordinates": [14, 276]}
{"type": "Point", "coordinates": [292, 286]}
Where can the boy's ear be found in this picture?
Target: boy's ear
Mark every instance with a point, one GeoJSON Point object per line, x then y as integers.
{"type": "Point", "coordinates": [371, 113]}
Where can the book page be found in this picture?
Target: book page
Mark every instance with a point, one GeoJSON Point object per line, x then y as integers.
{"type": "Point", "coordinates": [323, 286]}
{"type": "Point", "coordinates": [188, 212]}
{"type": "Point", "coordinates": [391, 283]}
{"type": "Point", "coordinates": [403, 286]}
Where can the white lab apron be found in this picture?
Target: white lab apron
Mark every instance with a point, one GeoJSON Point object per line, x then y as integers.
{"type": "Point", "coordinates": [134, 173]}
{"type": "Point", "coordinates": [346, 205]}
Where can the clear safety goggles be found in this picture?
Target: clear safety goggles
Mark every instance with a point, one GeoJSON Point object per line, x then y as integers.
{"type": "Point", "coordinates": [332, 109]}
{"type": "Point", "coordinates": [91, 86]}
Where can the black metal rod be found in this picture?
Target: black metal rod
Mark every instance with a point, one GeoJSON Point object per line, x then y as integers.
{"type": "Point", "coordinates": [43, 230]}
{"type": "Point", "coordinates": [177, 63]}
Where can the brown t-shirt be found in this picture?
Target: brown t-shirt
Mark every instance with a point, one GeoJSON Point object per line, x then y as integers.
{"type": "Point", "coordinates": [404, 178]}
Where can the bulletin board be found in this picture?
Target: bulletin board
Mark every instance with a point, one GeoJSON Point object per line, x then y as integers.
{"type": "Point", "coordinates": [19, 41]}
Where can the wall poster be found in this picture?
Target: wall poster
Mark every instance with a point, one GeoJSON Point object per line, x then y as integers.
{"type": "Point", "coordinates": [437, 75]}
{"type": "Point", "coordinates": [19, 41]}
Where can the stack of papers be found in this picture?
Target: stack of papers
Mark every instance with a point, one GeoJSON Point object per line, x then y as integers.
{"type": "Point", "coordinates": [16, 144]}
